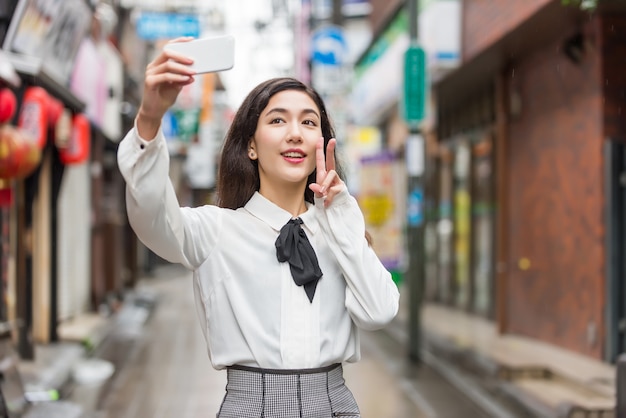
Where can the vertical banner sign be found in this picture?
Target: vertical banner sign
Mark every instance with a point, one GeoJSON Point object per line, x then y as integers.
{"type": "Point", "coordinates": [415, 207]}
{"type": "Point", "coordinates": [382, 201]}
{"type": "Point", "coordinates": [414, 84]}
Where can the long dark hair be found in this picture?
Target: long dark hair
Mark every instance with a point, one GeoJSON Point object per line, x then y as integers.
{"type": "Point", "coordinates": [238, 176]}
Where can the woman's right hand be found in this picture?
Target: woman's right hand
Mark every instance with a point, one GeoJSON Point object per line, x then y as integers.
{"type": "Point", "coordinates": [165, 77]}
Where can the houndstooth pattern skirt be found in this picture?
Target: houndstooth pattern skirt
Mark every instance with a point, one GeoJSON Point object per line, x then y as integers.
{"type": "Point", "coordinates": [308, 393]}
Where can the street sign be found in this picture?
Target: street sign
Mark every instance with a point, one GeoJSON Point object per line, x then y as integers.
{"type": "Point", "coordinates": [415, 207]}
{"type": "Point", "coordinates": [155, 25]}
{"type": "Point", "coordinates": [329, 46]}
{"type": "Point", "coordinates": [414, 84]}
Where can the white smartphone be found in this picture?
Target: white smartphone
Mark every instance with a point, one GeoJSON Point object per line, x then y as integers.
{"type": "Point", "coordinates": [209, 54]}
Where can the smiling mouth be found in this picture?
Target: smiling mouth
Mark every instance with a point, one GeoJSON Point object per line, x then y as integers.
{"type": "Point", "coordinates": [293, 154]}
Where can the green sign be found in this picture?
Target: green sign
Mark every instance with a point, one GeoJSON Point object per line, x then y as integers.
{"type": "Point", "coordinates": [414, 84]}
{"type": "Point", "coordinates": [187, 124]}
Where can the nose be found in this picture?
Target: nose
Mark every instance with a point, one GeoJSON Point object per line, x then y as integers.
{"type": "Point", "coordinates": [295, 133]}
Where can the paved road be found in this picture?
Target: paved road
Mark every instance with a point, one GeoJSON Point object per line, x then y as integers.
{"type": "Point", "coordinates": [163, 369]}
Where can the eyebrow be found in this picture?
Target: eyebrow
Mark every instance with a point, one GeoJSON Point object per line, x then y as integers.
{"type": "Point", "coordinates": [283, 110]}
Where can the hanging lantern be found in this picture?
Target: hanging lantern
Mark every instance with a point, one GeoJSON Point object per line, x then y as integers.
{"type": "Point", "coordinates": [31, 157]}
{"type": "Point", "coordinates": [33, 118]}
{"type": "Point", "coordinates": [10, 151]}
{"type": "Point", "coordinates": [8, 105]}
{"type": "Point", "coordinates": [78, 146]}
{"type": "Point", "coordinates": [19, 155]}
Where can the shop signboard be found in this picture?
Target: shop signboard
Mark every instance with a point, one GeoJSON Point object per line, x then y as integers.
{"type": "Point", "coordinates": [157, 25]}
{"type": "Point", "coordinates": [51, 30]}
{"type": "Point", "coordinates": [440, 35]}
{"type": "Point", "coordinates": [378, 73]}
{"type": "Point", "coordinates": [382, 199]}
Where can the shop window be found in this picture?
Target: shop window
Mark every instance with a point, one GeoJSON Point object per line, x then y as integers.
{"type": "Point", "coordinates": [483, 209]}
{"type": "Point", "coordinates": [462, 223]}
{"type": "Point", "coordinates": [444, 229]}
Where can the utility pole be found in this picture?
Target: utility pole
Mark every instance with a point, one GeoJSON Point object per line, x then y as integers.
{"type": "Point", "coordinates": [414, 104]}
{"type": "Point", "coordinates": [337, 16]}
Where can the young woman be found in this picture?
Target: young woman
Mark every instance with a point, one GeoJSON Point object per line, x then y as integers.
{"type": "Point", "coordinates": [283, 274]}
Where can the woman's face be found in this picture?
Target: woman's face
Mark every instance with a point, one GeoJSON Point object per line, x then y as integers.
{"type": "Point", "coordinates": [285, 138]}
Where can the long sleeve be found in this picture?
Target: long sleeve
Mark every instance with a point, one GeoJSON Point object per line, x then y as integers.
{"type": "Point", "coordinates": [372, 297]}
{"type": "Point", "coordinates": [179, 235]}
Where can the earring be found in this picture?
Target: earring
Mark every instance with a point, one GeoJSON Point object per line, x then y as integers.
{"type": "Point", "coordinates": [252, 154]}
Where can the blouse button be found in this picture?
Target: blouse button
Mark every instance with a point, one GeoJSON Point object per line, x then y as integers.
{"type": "Point", "coordinates": [142, 146]}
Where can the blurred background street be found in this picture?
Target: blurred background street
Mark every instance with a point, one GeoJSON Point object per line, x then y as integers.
{"type": "Point", "coordinates": [483, 139]}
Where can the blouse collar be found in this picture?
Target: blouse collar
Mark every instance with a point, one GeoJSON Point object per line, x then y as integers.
{"type": "Point", "coordinates": [275, 216]}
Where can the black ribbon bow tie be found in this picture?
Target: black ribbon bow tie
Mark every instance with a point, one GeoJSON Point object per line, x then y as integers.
{"type": "Point", "coordinates": [293, 245]}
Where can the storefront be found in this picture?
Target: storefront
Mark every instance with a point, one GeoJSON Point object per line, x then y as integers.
{"type": "Point", "coordinates": [55, 272]}
{"type": "Point", "coordinates": [460, 235]}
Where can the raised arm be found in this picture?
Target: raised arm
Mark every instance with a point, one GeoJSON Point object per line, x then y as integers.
{"type": "Point", "coordinates": [181, 235]}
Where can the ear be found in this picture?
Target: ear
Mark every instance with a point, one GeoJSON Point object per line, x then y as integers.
{"type": "Point", "coordinates": [252, 150]}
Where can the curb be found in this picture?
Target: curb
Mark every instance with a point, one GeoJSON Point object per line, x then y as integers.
{"type": "Point", "coordinates": [482, 379]}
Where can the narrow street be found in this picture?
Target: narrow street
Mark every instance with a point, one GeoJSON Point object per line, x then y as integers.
{"type": "Point", "coordinates": [163, 370]}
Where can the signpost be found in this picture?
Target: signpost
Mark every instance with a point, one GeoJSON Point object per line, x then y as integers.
{"type": "Point", "coordinates": [414, 110]}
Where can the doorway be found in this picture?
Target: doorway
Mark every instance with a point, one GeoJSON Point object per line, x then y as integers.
{"type": "Point", "coordinates": [615, 183]}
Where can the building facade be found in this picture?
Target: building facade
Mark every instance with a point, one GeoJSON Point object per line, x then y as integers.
{"type": "Point", "coordinates": [529, 158]}
{"type": "Point", "coordinates": [524, 155]}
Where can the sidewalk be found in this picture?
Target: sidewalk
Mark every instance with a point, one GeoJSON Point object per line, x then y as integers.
{"type": "Point", "coordinates": [82, 339]}
{"type": "Point", "coordinates": [545, 380]}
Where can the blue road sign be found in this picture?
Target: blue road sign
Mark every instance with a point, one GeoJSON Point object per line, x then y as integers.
{"type": "Point", "coordinates": [329, 46]}
{"type": "Point", "coordinates": [415, 207]}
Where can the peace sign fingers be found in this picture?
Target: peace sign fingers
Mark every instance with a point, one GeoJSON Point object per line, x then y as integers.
{"type": "Point", "coordinates": [328, 183]}
{"type": "Point", "coordinates": [330, 154]}
{"type": "Point", "coordinates": [320, 161]}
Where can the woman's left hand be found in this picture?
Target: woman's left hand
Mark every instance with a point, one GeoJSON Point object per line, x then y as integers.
{"type": "Point", "coordinates": [328, 183]}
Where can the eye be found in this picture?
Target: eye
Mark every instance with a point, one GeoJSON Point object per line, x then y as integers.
{"type": "Point", "coordinates": [276, 120]}
{"type": "Point", "coordinates": [310, 122]}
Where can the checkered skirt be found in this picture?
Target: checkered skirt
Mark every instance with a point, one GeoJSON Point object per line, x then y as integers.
{"type": "Point", "coordinates": [308, 393]}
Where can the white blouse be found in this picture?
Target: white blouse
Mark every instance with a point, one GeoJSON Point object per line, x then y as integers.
{"type": "Point", "coordinates": [250, 310]}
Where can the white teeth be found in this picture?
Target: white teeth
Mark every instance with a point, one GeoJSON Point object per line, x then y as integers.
{"type": "Point", "coordinates": [293, 155]}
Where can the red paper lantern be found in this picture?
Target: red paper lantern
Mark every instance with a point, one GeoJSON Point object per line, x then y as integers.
{"type": "Point", "coordinates": [31, 157]}
{"type": "Point", "coordinates": [19, 155]}
{"type": "Point", "coordinates": [77, 149]}
{"type": "Point", "coordinates": [8, 105]}
{"type": "Point", "coordinates": [33, 118]}
{"type": "Point", "coordinates": [10, 151]}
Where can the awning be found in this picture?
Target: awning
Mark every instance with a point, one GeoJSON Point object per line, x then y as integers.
{"type": "Point", "coordinates": [32, 68]}
{"type": "Point", "coordinates": [550, 22]}
{"type": "Point", "coordinates": [8, 74]}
